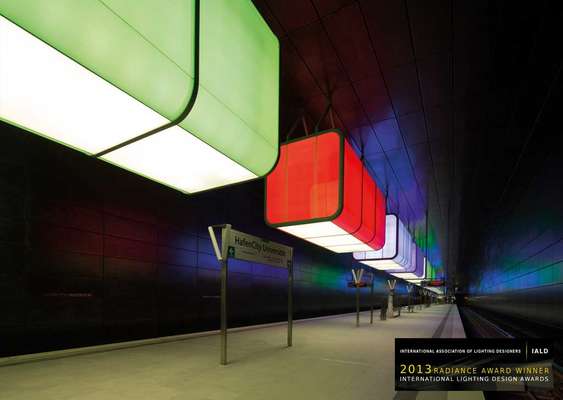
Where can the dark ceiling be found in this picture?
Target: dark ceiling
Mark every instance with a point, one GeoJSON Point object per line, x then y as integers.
{"type": "Point", "coordinates": [444, 97]}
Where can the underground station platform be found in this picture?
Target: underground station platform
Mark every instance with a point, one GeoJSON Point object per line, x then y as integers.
{"type": "Point", "coordinates": [281, 200]}
{"type": "Point", "coordinates": [331, 358]}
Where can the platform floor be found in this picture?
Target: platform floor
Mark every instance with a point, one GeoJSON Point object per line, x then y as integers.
{"type": "Point", "coordinates": [331, 359]}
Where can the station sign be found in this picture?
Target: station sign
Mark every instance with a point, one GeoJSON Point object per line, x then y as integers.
{"type": "Point", "coordinates": [361, 284]}
{"type": "Point", "coordinates": [243, 246]}
{"type": "Point", "coordinates": [433, 282]}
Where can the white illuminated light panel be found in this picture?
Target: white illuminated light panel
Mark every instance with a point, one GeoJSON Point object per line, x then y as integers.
{"type": "Point", "coordinates": [46, 92]}
{"type": "Point", "coordinates": [409, 275]}
{"type": "Point", "coordinates": [76, 107]}
{"type": "Point", "coordinates": [412, 278]}
{"type": "Point", "coordinates": [395, 254]}
{"type": "Point", "coordinates": [329, 235]}
{"type": "Point", "coordinates": [179, 160]}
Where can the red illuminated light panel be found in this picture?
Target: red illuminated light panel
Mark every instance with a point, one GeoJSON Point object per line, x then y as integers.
{"type": "Point", "coordinates": [320, 191]}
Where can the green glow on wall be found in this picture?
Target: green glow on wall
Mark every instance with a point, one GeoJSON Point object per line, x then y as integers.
{"type": "Point", "coordinates": [430, 270]}
{"type": "Point", "coordinates": [328, 277]}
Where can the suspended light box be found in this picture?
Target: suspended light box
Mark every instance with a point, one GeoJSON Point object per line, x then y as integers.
{"type": "Point", "coordinates": [411, 264]}
{"type": "Point", "coordinates": [417, 273]}
{"type": "Point", "coordinates": [396, 254]}
{"type": "Point", "coordinates": [185, 94]}
{"type": "Point", "coordinates": [320, 191]}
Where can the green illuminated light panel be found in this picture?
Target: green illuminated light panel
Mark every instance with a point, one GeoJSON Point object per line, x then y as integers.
{"type": "Point", "coordinates": [185, 94]}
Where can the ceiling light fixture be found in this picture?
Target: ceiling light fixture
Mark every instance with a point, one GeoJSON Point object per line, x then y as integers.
{"type": "Point", "coordinates": [397, 252]}
{"type": "Point", "coordinates": [320, 191]}
{"type": "Point", "coordinates": [186, 95]}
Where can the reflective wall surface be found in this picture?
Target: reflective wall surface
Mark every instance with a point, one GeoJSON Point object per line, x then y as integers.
{"type": "Point", "coordinates": [516, 266]}
{"type": "Point", "coordinates": [92, 254]}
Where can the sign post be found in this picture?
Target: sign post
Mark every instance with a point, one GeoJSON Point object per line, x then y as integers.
{"type": "Point", "coordinates": [224, 277]}
{"type": "Point", "coordinates": [390, 303]}
{"type": "Point", "coordinates": [420, 297]}
{"type": "Point", "coordinates": [357, 282]}
{"type": "Point", "coordinates": [357, 275]}
{"type": "Point", "coordinates": [242, 246]}
{"type": "Point", "coordinates": [371, 300]}
{"type": "Point", "coordinates": [290, 303]}
{"type": "Point", "coordinates": [409, 303]}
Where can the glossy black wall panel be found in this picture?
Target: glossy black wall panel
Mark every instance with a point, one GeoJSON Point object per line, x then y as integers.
{"type": "Point", "coordinates": [517, 270]}
{"type": "Point", "coordinates": [92, 254]}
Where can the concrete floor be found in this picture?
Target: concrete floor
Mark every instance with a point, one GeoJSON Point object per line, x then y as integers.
{"type": "Point", "coordinates": [330, 359]}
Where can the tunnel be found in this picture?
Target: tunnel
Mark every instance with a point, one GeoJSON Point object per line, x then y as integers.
{"type": "Point", "coordinates": [267, 199]}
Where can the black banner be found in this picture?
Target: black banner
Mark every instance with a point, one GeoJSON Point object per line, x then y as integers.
{"type": "Point", "coordinates": [473, 364]}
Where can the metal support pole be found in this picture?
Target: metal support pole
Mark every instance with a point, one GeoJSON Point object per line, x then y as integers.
{"type": "Point", "coordinates": [290, 305]}
{"type": "Point", "coordinates": [371, 300]}
{"type": "Point", "coordinates": [224, 280]}
{"type": "Point", "coordinates": [419, 299]}
{"type": "Point", "coordinates": [357, 305]}
{"type": "Point", "coordinates": [390, 298]}
{"type": "Point", "coordinates": [224, 276]}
